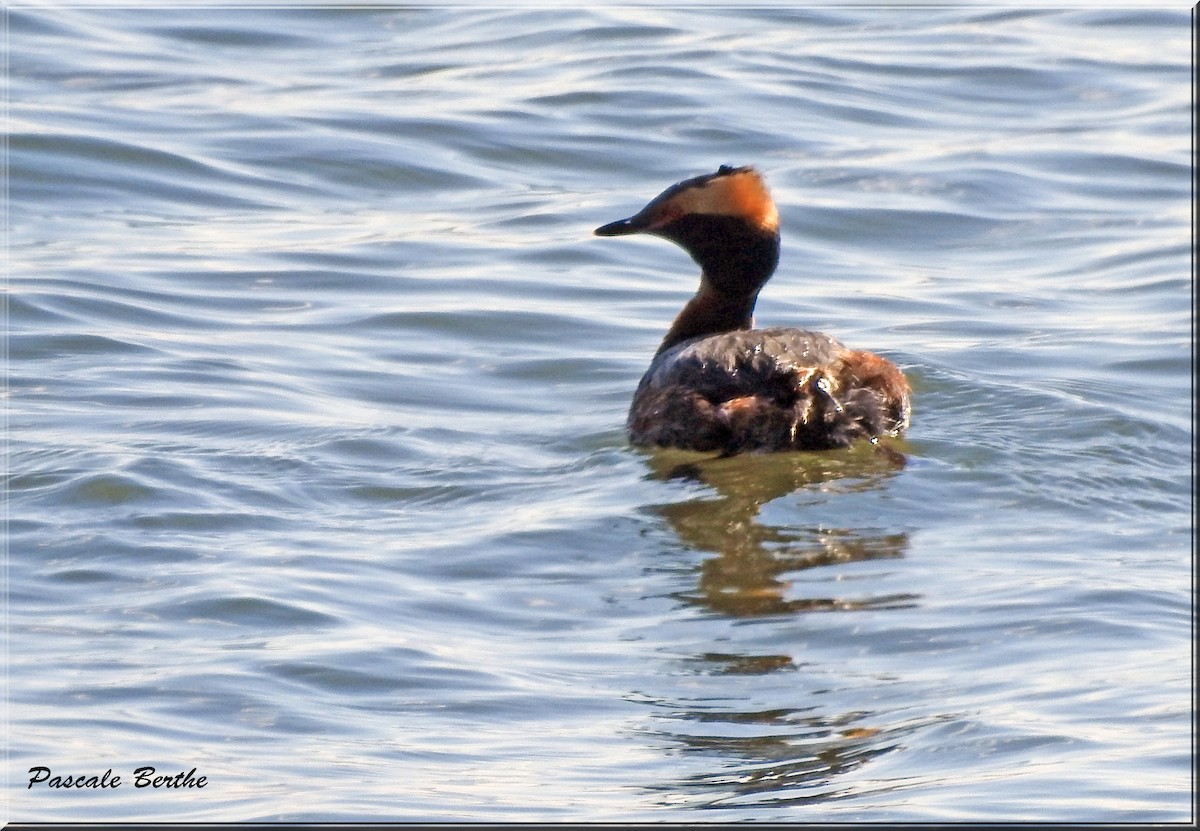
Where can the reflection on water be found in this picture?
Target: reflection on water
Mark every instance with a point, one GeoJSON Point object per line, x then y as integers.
{"type": "Point", "coordinates": [776, 755]}
{"type": "Point", "coordinates": [743, 578]}
{"type": "Point", "coordinates": [790, 756]}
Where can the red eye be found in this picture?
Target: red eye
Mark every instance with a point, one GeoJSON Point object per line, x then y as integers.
{"type": "Point", "coordinates": [666, 216]}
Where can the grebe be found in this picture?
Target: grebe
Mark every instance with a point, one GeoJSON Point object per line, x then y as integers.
{"type": "Point", "coordinates": [716, 383]}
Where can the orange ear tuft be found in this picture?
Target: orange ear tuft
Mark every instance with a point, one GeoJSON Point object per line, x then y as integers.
{"type": "Point", "coordinates": [748, 196]}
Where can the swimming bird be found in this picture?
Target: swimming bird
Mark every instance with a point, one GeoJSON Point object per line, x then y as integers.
{"type": "Point", "coordinates": [716, 382]}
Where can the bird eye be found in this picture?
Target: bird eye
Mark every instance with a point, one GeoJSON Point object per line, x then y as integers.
{"type": "Point", "coordinates": [666, 215]}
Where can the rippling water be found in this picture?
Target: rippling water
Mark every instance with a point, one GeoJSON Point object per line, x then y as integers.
{"type": "Point", "coordinates": [317, 480]}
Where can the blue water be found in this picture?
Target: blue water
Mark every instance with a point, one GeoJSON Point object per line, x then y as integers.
{"type": "Point", "coordinates": [316, 379]}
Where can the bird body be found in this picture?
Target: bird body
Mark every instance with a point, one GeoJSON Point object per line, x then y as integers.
{"type": "Point", "coordinates": [716, 383]}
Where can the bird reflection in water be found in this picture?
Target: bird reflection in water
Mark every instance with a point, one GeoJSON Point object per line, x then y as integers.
{"type": "Point", "coordinates": [777, 757]}
{"type": "Point", "coordinates": [743, 578]}
{"type": "Point", "coordinates": [791, 753]}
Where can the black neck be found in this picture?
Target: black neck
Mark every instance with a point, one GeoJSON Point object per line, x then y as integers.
{"type": "Point", "coordinates": [735, 259]}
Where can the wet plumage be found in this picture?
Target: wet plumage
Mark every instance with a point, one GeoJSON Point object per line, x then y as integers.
{"type": "Point", "coordinates": [716, 383]}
